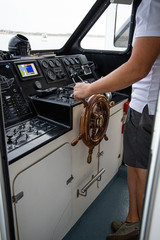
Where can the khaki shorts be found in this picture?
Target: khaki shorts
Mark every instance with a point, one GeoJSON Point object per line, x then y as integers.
{"type": "Point", "coordinates": [137, 138]}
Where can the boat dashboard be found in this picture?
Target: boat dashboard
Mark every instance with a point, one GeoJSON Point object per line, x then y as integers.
{"type": "Point", "coordinates": [38, 101]}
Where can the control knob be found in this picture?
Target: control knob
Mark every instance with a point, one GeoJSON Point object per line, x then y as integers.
{"type": "Point", "coordinates": [9, 135]}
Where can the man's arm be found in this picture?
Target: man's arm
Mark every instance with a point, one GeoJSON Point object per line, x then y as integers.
{"type": "Point", "coordinates": [144, 54]}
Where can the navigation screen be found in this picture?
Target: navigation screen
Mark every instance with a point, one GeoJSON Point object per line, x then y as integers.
{"type": "Point", "coordinates": [27, 69]}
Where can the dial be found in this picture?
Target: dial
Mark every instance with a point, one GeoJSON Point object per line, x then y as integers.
{"type": "Point", "coordinates": [38, 85]}
{"type": "Point", "coordinates": [66, 61]}
{"type": "Point", "coordinates": [72, 61]}
{"type": "Point", "coordinates": [45, 64]}
{"type": "Point", "coordinates": [51, 75]}
{"type": "Point", "coordinates": [51, 63]}
{"type": "Point", "coordinates": [57, 62]}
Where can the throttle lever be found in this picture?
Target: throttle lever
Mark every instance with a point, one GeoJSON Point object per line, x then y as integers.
{"type": "Point", "coordinates": [46, 92]}
{"type": "Point", "coordinates": [72, 76]}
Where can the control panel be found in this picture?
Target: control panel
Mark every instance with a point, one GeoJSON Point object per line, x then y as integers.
{"type": "Point", "coordinates": [53, 70]}
{"type": "Point", "coordinates": [15, 106]}
{"type": "Point", "coordinates": [26, 131]}
{"type": "Point", "coordinates": [32, 86]}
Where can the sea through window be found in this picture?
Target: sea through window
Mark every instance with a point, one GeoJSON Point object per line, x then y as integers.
{"type": "Point", "coordinates": [47, 24]}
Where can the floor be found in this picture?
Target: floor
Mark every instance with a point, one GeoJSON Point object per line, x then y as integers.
{"type": "Point", "coordinates": [111, 204]}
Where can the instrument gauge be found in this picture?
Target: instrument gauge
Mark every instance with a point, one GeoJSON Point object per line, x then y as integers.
{"type": "Point", "coordinates": [66, 61]}
{"type": "Point", "coordinates": [37, 84]}
{"type": "Point", "coordinates": [45, 64]}
{"type": "Point", "coordinates": [58, 63]}
{"type": "Point", "coordinates": [51, 75]}
{"type": "Point", "coordinates": [72, 61]}
{"type": "Point", "coordinates": [51, 63]}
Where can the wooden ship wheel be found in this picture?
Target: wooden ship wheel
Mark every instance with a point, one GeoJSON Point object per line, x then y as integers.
{"type": "Point", "coordinates": [94, 122]}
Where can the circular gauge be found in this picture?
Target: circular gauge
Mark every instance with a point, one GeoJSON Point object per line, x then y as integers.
{"type": "Point", "coordinates": [66, 61]}
{"type": "Point", "coordinates": [37, 84]}
{"type": "Point", "coordinates": [57, 62]}
{"type": "Point", "coordinates": [72, 61]}
{"type": "Point", "coordinates": [45, 64]}
{"type": "Point", "coordinates": [51, 75]}
{"type": "Point", "coordinates": [51, 63]}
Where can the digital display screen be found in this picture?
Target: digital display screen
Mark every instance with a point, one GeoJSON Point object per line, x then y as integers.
{"type": "Point", "coordinates": [27, 70]}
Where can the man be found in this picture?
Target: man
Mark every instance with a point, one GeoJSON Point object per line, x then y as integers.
{"type": "Point", "coordinates": [142, 71]}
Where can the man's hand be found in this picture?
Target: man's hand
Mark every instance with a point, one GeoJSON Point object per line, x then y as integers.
{"type": "Point", "coordinates": [82, 91]}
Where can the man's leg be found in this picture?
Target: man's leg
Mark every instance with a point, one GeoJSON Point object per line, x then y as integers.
{"type": "Point", "coordinates": [136, 184]}
{"type": "Point", "coordinates": [141, 180]}
{"type": "Point", "coordinates": [137, 140]}
{"type": "Point", "coordinates": [133, 215]}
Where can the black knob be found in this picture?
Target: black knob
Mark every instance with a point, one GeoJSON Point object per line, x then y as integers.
{"type": "Point", "coordinates": [9, 135]}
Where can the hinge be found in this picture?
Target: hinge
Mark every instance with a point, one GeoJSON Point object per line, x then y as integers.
{"type": "Point", "coordinates": [99, 154]}
{"type": "Point", "coordinates": [17, 197]}
{"type": "Point", "coordinates": [70, 179]}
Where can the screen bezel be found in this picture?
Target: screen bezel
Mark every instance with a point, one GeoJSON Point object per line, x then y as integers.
{"type": "Point", "coordinates": [23, 78]}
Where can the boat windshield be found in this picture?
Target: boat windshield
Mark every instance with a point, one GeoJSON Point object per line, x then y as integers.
{"type": "Point", "coordinates": [47, 24]}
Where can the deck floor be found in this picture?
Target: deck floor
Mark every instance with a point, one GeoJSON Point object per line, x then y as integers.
{"type": "Point", "coordinates": [111, 204]}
